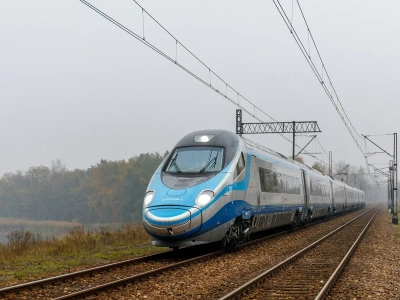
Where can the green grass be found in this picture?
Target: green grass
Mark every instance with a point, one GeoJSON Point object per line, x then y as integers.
{"type": "Point", "coordinates": [28, 257]}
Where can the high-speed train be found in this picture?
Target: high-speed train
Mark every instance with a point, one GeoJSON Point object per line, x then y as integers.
{"type": "Point", "coordinates": [216, 186]}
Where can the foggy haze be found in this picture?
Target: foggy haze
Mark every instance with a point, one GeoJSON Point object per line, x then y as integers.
{"type": "Point", "coordinates": [76, 87]}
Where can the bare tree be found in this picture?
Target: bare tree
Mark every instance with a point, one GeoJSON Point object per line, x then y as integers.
{"type": "Point", "coordinates": [320, 167]}
{"type": "Point", "coordinates": [299, 159]}
{"type": "Point", "coordinates": [57, 166]}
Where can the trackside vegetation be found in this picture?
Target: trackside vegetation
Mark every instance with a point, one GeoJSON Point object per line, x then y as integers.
{"type": "Point", "coordinates": [109, 192]}
{"type": "Point", "coordinates": [50, 217]}
{"type": "Point", "coordinates": [28, 256]}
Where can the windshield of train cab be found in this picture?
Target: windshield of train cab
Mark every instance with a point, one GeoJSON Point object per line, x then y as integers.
{"type": "Point", "coordinates": [198, 160]}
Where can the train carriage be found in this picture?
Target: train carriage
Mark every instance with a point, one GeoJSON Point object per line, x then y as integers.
{"type": "Point", "coordinates": [217, 186]}
{"type": "Point", "coordinates": [320, 194]}
{"type": "Point", "coordinates": [339, 196]}
{"type": "Point", "coordinates": [350, 197]}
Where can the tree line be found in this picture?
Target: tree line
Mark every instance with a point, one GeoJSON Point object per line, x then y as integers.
{"type": "Point", "coordinates": [357, 177]}
{"type": "Point", "coordinates": [110, 191]}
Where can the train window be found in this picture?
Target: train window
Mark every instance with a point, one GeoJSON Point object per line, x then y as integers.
{"type": "Point", "coordinates": [339, 192]}
{"type": "Point", "coordinates": [240, 166]}
{"type": "Point", "coordinates": [319, 189]}
{"type": "Point", "coordinates": [274, 182]}
{"type": "Point", "coordinates": [195, 160]}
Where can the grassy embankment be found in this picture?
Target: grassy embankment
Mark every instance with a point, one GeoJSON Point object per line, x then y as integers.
{"type": "Point", "coordinates": [27, 256]}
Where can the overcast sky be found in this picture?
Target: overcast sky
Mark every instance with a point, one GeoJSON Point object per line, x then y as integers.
{"type": "Point", "coordinates": [76, 87]}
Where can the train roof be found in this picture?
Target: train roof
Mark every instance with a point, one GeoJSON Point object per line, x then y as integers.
{"type": "Point", "coordinates": [230, 141]}
{"type": "Point", "coordinates": [213, 138]}
{"type": "Point", "coordinates": [289, 162]}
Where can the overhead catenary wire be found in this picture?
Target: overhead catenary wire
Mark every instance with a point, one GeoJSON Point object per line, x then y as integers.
{"type": "Point", "coordinates": [327, 153]}
{"type": "Point", "coordinates": [377, 171]}
{"type": "Point", "coordinates": [143, 40]}
{"type": "Point", "coordinates": [323, 149]}
{"type": "Point", "coordinates": [369, 165]}
{"type": "Point", "coordinates": [323, 66]}
{"type": "Point", "coordinates": [307, 54]}
{"type": "Point", "coordinates": [316, 72]}
{"type": "Point", "coordinates": [367, 135]}
{"type": "Point", "coordinates": [208, 82]}
{"type": "Point", "coordinates": [174, 60]}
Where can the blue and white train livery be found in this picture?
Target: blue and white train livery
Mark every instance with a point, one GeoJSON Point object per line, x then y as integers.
{"type": "Point", "coordinates": [217, 186]}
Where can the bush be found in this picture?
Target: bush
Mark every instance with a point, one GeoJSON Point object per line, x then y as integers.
{"type": "Point", "coordinates": [19, 240]}
{"type": "Point", "coordinates": [26, 246]}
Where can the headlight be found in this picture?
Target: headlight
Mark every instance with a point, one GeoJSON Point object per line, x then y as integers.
{"type": "Point", "coordinates": [204, 198]}
{"type": "Point", "coordinates": [149, 196]}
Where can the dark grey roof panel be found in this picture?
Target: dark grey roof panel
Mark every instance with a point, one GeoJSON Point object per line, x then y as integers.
{"type": "Point", "coordinates": [222, 138]}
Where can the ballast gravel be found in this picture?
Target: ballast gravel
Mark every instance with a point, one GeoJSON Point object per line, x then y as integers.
{"type": "Point", "coordinates": [373, 272]}
{"type": "Point", "coordinates": [211, 279]}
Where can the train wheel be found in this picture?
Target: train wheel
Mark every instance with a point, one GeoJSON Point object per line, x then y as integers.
{"type": "Point", "coordinates": [329, 214]}
{"type": "Point", "coordinates": [233, 235]}
{"type": "Point", "coordinates": [247, 238]}
{"type": "Point", "coordinates": [222, 243]}
{"type": "Point", "coordinates": [296, 221]}
{"type": "Point", "coordinates": [308, 217]}
{"type": "Point", "coordinates": [226, 240]}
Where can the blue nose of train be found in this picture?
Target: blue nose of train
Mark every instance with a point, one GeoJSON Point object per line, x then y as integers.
{"type": "Point", "coordinates": [172, 220]}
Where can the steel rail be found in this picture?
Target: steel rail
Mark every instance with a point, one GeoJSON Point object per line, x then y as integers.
{"type": "Point", "coordinates": [335, 275]}
{"type": "Point", "coordinates": [108, 286]}
{"type": "Point", "coordinates": [132, 279]}
{"type": "Point", "coordinates": [261, 277]}
{"type": "Point", "coordinates": [16, 289]}
{"type": "Point", "coordinates": [87, 272]}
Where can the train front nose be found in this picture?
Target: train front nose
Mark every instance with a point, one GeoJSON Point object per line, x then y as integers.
{"type": "Point", "coordinates": [172, 221]}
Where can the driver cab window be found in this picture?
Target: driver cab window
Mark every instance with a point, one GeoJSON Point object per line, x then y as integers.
{"type": "Point", "coordinates": [240, 166]}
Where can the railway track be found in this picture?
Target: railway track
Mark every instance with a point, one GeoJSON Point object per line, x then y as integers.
{"type": "Point", "coordinates": [56, 280]}
{"type": "Point", "coordinates": [312, 271]}
{"type": "Point", "coordinates": [150, 265]}
{"type": "Point", "coordinates": [83, 283]}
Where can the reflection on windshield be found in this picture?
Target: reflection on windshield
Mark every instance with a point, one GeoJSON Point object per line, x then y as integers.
{"type": "Point", "coordinates": [196, 160]}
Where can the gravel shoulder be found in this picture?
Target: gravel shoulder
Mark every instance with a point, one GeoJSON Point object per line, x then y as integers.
{"type": "Point", "coordinates": [213, 278]}
{"type": "Point", "coordinates": [370, 274]}
{"type": "Point", "coordinates": [305, 277]}
{"type": "Point", "coordinates": [373, 271]}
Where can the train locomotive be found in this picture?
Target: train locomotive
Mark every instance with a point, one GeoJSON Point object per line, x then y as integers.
{"type": "Point", "coordinates": [216, 186]}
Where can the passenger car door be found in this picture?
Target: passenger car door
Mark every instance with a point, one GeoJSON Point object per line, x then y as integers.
{"type": "Point", "coordinates": [253, 190]}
